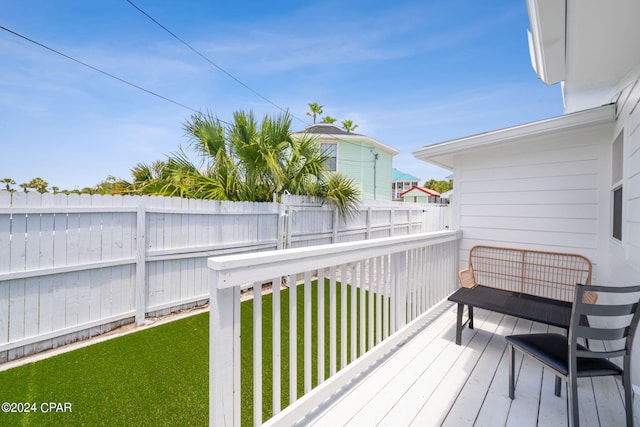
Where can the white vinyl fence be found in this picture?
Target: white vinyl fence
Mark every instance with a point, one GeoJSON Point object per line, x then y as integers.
{"type": "Point", "coordinates": [76, 266]}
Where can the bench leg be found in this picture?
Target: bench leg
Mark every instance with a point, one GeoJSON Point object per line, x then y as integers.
{"type": "Point", "coordinates": [459, 324]}
{"type": "Point", "coordinates": [512, 362]}
{"type": "Point", "coordinates": [470, 317]}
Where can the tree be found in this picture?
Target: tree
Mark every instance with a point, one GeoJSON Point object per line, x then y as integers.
{"type": "Point", "coordinates": [8, 182]}
{"type": "Point", "coordinates": [246, 161]}
{"type": "Point", "coordinates": [37, 184]}
{"type": "Point", "coordinates": [316, 110]}
{"type": "Point", "coordinates": [329, 119]}
{"type": "Point", "coordinates": [439, 186]}
{"type": "Point", "coordinates": [348, 125]}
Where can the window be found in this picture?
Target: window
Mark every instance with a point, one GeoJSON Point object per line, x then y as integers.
{"type": "Point", "coordinates": [617, 161]}
{"type": "Point", "coordinates": [331, 151]}
{"type": "Point", "coordinates": [617, 214]}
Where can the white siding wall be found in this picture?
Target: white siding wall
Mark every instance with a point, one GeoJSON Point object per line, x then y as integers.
{"type": "Point", "coordinates": [554, 193]}
{"type": "Point", "coordinates": [625, 256]}
{"type": "Point", "coordinates": [539, 193]}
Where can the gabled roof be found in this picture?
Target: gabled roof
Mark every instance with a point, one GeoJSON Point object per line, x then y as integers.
{"type": "Point", "coordinates": [427, 191]}
{"type": "Point", "coordinates": [442, 154]}
{"type": "Point", "coordinates": [397, 175]}
{"type": "Point", "coordinates": [328, 132]}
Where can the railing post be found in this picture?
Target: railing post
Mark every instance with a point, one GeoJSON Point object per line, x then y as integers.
{"type": "Point", "coordinates": [398, 290]}
{"type": "Point", "coordinates": [224, 354]}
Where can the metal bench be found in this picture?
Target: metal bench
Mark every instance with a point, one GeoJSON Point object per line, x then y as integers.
{"type": "Point", "coordinates": [533, 285]}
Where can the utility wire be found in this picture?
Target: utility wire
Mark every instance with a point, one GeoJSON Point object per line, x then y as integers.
{"type": "Point", "coordinates": [97, 69]}
{"type": "Point", "coordinates": [237, 80]}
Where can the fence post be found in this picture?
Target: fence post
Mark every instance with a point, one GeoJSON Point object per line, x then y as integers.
{"type": "Point", "coordinates": [141, 262]}
{"type": "Point", "coordinates": [368, 223]}
{"type": "Point", "coordinates": [392, 221]}
{"type": "Point", "coordinates": [281, 232]}
{"type": "Point", "coordinates": [334, 235]}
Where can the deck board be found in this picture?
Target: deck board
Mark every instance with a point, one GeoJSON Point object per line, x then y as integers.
{"type": "Point", "coordinates": [431, 381]}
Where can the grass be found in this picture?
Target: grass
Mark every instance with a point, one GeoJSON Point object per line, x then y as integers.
{"type": "Point", "coordinates": [157, 376]}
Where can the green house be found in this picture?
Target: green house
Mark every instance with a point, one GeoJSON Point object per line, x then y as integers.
{"type": "Point", "coordinates": [363, 159]}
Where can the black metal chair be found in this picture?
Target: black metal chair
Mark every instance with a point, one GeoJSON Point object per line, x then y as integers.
{"type": "Point", "coordinates": [611, 320]}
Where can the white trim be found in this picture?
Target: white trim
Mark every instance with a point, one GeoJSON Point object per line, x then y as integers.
{"type": "Point", "coordinates": [58, 333]}
{"type": "Point", "coordinates": [233, 270]}
{"type": "Point", "coordinates": [440, 154]}
{"type": "Point", "coordinates": [547, 39]}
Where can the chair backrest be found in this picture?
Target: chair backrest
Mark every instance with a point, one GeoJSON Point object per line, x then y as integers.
{"type": "Point", "coordinates": [614, 319]}
{"type": "Point", "coordinates": [545, 274]}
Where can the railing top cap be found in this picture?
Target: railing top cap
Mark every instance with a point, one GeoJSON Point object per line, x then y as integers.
{"type": "Point", "coordinates": [388, 244]}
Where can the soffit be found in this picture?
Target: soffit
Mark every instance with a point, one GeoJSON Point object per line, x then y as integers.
{"type": "Point", "coordinates": [443, 154]}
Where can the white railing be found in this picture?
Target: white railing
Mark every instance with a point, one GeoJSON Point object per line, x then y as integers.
{"type": "Point", "coordinates": [372, 289]}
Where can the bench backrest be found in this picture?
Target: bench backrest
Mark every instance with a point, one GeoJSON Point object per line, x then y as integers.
{"type": "Point", "coordinates": [546, 274]}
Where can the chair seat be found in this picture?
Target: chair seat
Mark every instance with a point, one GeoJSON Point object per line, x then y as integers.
{"type": "Point", "coordinates": [552, 350]}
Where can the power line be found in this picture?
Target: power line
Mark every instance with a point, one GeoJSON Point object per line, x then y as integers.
{"type": "Point", "coordinates": [237, 80]}
{"type": "Point", "coordinates": [203, 56]}
{"type": "Point", "coordinates": [97, 69]}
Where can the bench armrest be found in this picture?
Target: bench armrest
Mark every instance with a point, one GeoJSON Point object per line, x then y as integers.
{"type": "Point", "coordinates": [589, 297]}
{"type": "Point", "coordinates": [466, 278]}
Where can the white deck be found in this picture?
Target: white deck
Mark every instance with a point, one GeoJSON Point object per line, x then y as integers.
{"type": "Point", "coordinates": [431, 381]}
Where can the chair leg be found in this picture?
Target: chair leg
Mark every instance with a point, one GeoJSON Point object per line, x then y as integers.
{"type": "Point", "coordinates": [574, 414]}
{"type": "Point", "coordinates": [512, 360]}
{"type": "Point", "coordinates": [628, 398]}
{"type": "Point", "coordinates": [558, 390]}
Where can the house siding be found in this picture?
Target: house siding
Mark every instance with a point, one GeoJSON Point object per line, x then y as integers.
{"type": "Point", "coordinates": [539, 193]}
{"type": "Point", "coordinates": [625, 255]}
{"type": "Point", "coordinates": [356, 160]}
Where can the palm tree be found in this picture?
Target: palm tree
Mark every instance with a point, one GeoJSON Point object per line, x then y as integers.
{"type": "Point", "coordinates": [329, 119]}
{"type": "Point", "coordinates": [8, 182]}
{"type": "Point", "coordinates": [246, 161]}
{"type": "Point", "coordinates": [316, 110]}
{"type": "Point", "coordinates": [38, 184]}
{"type": "Point", "coordinates": [348, 125]}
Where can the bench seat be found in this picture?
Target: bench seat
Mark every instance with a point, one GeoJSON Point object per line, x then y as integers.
{"type": "Point", "coordinates": [533, 285]}
{"type": "Point", "coordinates": [538, 309]}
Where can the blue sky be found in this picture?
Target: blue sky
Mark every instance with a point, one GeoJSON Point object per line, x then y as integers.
{"type": "Point", "coordinates": [409, 73]}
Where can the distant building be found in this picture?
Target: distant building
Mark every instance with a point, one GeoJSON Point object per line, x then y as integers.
{"type": "Point", "coordinates": [402, 182]}
{"type": "Point", "coordinates": [420, 195]}
{"type": "Point", "coordinates": [361, 158]}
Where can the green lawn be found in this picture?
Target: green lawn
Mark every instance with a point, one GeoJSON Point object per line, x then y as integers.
{"type": "Point", "coordinates": [157, 376]}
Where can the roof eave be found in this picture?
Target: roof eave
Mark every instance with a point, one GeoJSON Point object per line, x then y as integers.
{"type": "Point", "coordinates": [547, 39]}
{"type": "Point", "coordinates": [441, 154]}
{"type": "Point", "coordinates": [352, 137]}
